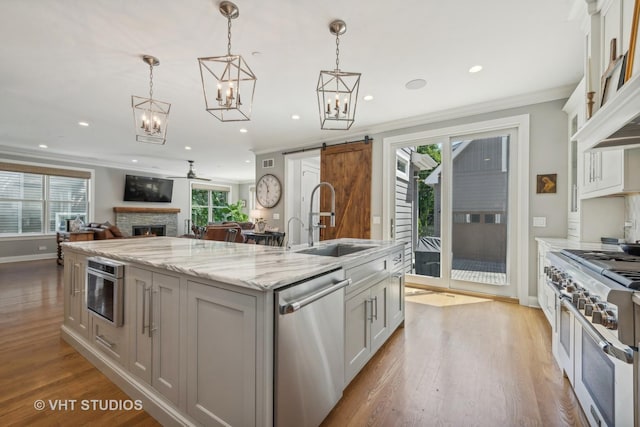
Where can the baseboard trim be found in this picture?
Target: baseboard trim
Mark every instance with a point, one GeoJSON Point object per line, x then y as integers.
{"type": "Point", "coordinates": [155, 405]}
{"type": "Point", "coordinates": [20, 258]}
{"type": "Point", "coordinates": [460, 292]}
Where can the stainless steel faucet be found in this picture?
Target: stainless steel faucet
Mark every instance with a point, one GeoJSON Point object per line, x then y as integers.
{"type": "Point", "coordinates": [289, 233]}
{"type": "Point", "coordinates": [331, 214]}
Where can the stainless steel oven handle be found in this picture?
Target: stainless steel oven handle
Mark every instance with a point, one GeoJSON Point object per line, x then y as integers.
{"type": "Point", "coordinates": [623, 354]}
{"type": "Point", "coordinates": [297, 305]}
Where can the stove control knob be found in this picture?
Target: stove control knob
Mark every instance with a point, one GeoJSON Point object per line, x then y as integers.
{"type": "Point", "coordinates": [609, 320]}
{"type": "Point", "coordinates": [601, 305]}
{"type": "Point", "coordinates": [596, 317]}
{"type": "Point", "coordinates": [570, 288]}
{"type": "Point", "coordinates": [586, 293]}
{"type": "Point", "coordinates": [581, 303]}
{"type": "Point", "coordinates": [594, 298]}
{"type": "Point", "coordinates": [588, 309]}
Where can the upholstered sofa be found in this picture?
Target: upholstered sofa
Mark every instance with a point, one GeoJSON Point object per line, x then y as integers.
{"type": "Point", "coordinates": [106, 230]}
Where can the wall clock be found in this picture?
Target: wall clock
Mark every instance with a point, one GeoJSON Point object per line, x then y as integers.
{"type": "Point", "coordinates": [268, 190]}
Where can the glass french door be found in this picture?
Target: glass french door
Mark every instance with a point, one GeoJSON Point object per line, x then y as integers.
{"type": "Point", "coordinates": [463, 207]}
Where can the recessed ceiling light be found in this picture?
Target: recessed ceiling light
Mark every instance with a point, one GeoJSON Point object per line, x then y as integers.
{"type": "Point", "coordinates": [43, 146]}
{"type": "Point", "coordinates": [85, 124]}
{"type": "Point", "coordinates": [416, 84]}
{"type": "Point", "coordinates": [295, 117]}
{"type": "Point", "coordinates": [368, 97]}
{"type": "Point", "coordinates": [247, 161]}
{"type": "Point", "coordinates": [186, 147]}
{"type": "Point", "coordinates": [475, 68]}
{"type": "Point", "coordinates": [134, 160]}
{"type": "Point", "coordinates": [243, 130]}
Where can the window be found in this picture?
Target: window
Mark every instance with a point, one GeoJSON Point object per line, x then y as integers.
{"type": "Point", "coordinates": [402, 165]}
{"type": "Point", "coordinates": [206, 202]}
{"type": "Point", "coordinates": [40, 203]}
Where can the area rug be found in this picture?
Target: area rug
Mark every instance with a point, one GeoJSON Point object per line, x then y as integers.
{"type": "Point", "coordinates": [439, 299]}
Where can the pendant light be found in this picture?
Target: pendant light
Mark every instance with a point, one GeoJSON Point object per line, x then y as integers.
{"type": "Point", "coordinates": [150, 115]}
{"type": "Point", "coordinates": [227, 81]}
{"type": "Point", "coordinates": [337, 90]}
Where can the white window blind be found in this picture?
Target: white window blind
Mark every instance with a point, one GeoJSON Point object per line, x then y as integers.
{"type": "Point", "coordinates": [38, 202]}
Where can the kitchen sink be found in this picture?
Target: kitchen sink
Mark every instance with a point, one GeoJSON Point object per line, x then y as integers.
{"type": "Point", "coordinates": [335, 250]}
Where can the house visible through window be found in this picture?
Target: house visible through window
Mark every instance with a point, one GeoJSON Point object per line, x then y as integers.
{"type": "Point", "coordinates": [41, 203]}
{"type": "Point", "coordinates": [206, 202]}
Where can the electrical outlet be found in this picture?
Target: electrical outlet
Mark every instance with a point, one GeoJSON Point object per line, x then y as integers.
{"type": "Point", "coordinates": [42, 248]}
{"type": "Point", "coordinates": [539, 221]}
{"type": "Point", "coordinates": [628, 224]}
{"type": "Point", "coordinates": [276, 216]}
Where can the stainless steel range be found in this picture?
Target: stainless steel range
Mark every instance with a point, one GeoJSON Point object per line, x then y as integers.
{"type": "Point", "coordinates": [596, 333]}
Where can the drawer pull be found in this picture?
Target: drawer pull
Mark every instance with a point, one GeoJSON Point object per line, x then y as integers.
{"type": "Point", "coordinates": [104, 342]}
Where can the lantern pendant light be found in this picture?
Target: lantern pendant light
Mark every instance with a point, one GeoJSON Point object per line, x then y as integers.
{"type": "Point", "coordinates": [337, 90]}
{"type": "Point", "coordinates": [150, 115]}
{"type": "Point", "coordinates": [227, 81]}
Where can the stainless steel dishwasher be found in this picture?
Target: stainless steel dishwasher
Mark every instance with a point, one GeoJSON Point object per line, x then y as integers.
{"type": "Point", "coordinates": [309, 349]}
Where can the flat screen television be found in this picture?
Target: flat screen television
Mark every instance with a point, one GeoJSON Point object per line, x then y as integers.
{"type": "Point", "coordinates": [147, 189]}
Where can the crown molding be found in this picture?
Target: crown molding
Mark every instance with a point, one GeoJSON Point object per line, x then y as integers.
{"type": "Point", "coordinates": [516, 101]}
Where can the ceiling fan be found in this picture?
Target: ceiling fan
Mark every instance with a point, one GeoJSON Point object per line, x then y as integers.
{"type": "Point", "coordinates": [191, 174]}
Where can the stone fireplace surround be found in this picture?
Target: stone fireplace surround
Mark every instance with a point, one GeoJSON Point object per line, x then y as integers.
{"type": "Point", "coordinates": [127, 217]}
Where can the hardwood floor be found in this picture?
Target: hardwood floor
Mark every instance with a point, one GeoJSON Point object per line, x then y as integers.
{"type": "Point", "coordinates": [481, 364]}
{"type": "Point", "coordinates": [477, 364]}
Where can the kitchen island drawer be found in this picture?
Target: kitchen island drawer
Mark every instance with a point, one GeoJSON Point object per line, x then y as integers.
{"type": "Point", "coordinates": [109, 339]}
{"type": "Point", "coordinates": [370, 272]}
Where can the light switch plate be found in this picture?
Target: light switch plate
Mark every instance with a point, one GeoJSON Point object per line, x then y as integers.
{"type": "Point", "coordinates": [376, 219]}
{"type": "Point", "coordinates": [539, 221]}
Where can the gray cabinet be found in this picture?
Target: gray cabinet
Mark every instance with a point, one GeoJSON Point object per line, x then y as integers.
{"type": "Point", "coordinates": [76, 315]}
{"type": "Point", "coordinates": [396, 290]}
{"type": "Point", "coordinates": [221, 356]}
{"type": "Point", "coordinates": [153, 305]}
{"type": "Point", "coordinates": [374, 308]}
{"type": "Point", "coordinates": [366, 321]}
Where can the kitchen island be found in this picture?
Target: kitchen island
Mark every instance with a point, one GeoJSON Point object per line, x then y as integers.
{"type": "Point", "coordinates": [198, 338]}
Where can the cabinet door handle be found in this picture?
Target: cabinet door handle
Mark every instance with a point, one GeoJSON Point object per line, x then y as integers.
{"type": "Point", "coordinates": [72, 283]}
{"type": "Point", "coordinates": [144, 303]}
{"type": "Point", "coordinates": [375, 313]}
{"type": "Point", "coordinates": [75, 282]}
{"type": "Point", "coordinates": [368, 312]}
{"type": "Point", "coordinates": [150, 310]}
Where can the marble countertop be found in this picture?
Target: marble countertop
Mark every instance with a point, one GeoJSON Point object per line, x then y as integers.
{"type": "Point", "coordinates": [558, 243]}
{"type": "Point", "coordinates": [252, 266]}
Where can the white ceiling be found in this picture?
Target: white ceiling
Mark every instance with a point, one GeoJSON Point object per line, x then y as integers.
{"type": "Point", "coordinates": [67, 61]}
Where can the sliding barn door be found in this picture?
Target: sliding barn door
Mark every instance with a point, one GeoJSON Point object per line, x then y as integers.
{"type": "Point", "coordinates": [348, 168]}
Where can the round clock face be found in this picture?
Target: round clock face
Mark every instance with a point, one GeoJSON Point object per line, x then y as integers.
{"type": "Point", "coordinates": [268, 191]}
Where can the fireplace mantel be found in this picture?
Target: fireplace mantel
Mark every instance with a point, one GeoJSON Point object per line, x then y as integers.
{"type": "Point", "coordinates": [132, 209]}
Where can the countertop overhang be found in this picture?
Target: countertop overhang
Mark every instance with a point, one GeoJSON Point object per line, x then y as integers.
{"type": "Point", "coordinates": [251, 266]}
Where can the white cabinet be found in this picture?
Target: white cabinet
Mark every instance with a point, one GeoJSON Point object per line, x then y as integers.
{"type": "Point", "coordinates": [221, 356]}
{"type": "Point", "coordinates": [76, 314]}
{"type": "Point", "coordinates": [153, 314]}
{"type": "Point", "coordinates": [546, 295]}
{"type": "Point", "coordinates": [366, 326]}
{"type": "Point", "coordinates": [611, 172]}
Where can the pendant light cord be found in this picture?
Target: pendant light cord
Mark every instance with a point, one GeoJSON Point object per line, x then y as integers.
{"type": "Point", "coordinates": [229, 36]}
{"type": "Point", "coordinates": [337, 52]}
{"type": "Point", "coordinates": [151, 80]}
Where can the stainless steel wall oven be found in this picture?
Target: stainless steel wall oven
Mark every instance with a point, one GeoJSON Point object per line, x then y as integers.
{"type": "Point", "coordinates": [105, 289]}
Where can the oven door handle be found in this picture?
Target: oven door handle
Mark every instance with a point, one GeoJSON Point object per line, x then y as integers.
{"type": "Point", "coordinates": [623, 354]}
{"type": "Point", "coordinates": [297, 305]}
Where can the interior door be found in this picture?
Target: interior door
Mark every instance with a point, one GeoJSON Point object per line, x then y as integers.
{"type": "Point", "coordinates": [348, 168]}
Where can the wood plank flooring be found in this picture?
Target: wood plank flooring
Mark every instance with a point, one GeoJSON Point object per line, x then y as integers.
{"type": "Point", "coordinates": [483, 364]}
